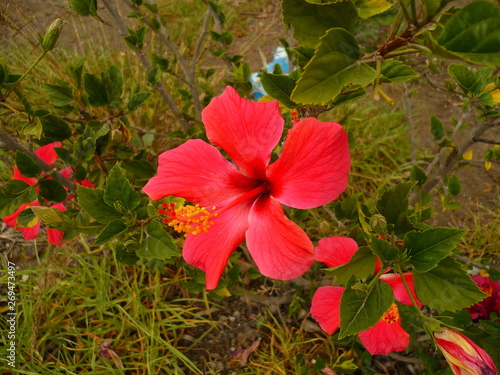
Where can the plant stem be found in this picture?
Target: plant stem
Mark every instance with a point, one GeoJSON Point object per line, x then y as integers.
{"type": "Point", "coordinates": [39, 58]}
{"type": "Point", "coordinates": [12, 144]}
{"type": "Point", "coordinates": [452, 159]}
{"type": "Point", "coordinates": [408, 290]}
{"type": "Point", "coordinates": [110, 6]}
{"type": "Point", "coordinates": [411, 126]}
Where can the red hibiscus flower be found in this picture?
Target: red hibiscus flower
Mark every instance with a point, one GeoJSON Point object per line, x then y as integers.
{"type": "Point", "coordinates": [463, 355]}
{"type": "Point", "coordinates": [490, 304]}
{"type": "Point", "coordinates": [30, 232]}
{"type": "Point", "coordinates": [385, 336]}
{"type": "Point", "coordinates": [239, 201]}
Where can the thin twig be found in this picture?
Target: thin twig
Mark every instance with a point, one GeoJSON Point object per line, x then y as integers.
{"type": "Point", "coordinates": [470, 262]}
{"type": "Point", "coordinates": [411, 125]}
{"type": "Point", "coordinates": [453, 158]}
{"type": "Point", "coordinates": [484, 140]}
{"type": "Point", "coordinates": [189, 69]}
{"type": "Point", "coordinates": [12, 144]}
{"type": "Point", "coordinates": [158, 86]}
{"type": "Point", "coordinates": [442, 151]}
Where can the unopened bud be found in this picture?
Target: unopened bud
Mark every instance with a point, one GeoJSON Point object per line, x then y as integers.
{"type": "Point", "coordinates": [52, 35]}
{"type": "Point", "coordinates": [324, 228]}
{"type": "Point", "coordinates": [378, 223]}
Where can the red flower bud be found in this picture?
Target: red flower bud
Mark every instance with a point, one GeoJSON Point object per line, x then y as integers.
{"type": "Point", "coordinates": [463, 355]}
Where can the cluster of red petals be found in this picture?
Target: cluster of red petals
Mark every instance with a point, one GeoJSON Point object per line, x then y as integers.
{"type": "Point", "coordinates": [311, 171]}
{"type": "Point", "coordinates": [463, 355]}
{"type": "Point", "coordinates": [54, 236]}
{"type": "Point", "coordinates": [483, 309]}
{"type": "Point", "coordinates": [385, 336]}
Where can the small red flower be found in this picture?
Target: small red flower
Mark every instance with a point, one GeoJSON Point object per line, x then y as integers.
{"type": "Point", "coordinates": [243, 200]}
{"type": "Point", "coordinates": [490, 304]}
{"type": "Point", "coordinates": [336, 251]}
{"type": "Point", "coordinates": [463, 355]}
{"type": "Point", "coordinates": [385, 336]}
{"type": "Point", "coordinates": [30, 232]}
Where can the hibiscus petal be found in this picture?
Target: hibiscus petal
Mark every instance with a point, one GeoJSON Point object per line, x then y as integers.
{"type": "Point", "coordinates": [210, 250]}
{"type": "Point", "coordinates": [17, 175]}
{"type": "Point", "coordinates": [32, 232]}
{"type": "Point", "coordinates": [325, 307]}
{"type": "Point", "coordinates": [247, 131]}
{"type": "Point", "coordinates": [11, 220]}
{"type": "Point", "coordinates": [47, 152]}
{"type": "Point", "coordinates": [335, 251]}
{"type": "Point", "coordinates": [54, 236]}
{"type": "Point", "coordinates": [279, 247]}
{"type": "Point", "coordinates": [385, 337]}
{"type": "Point", "coordinates": [199, 173]}
{"type": "Point", "coordinates": [396, 283]}
{"type": "Point", "coordinates": [312, 170]}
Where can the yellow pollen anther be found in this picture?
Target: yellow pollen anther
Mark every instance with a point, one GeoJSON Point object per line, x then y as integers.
{"type": "Point", "coordinates": [188, 219]}
{"type": "Point", "coordinates": [392, 315]}
{"type": "Point", "coordinates": [488, 289]}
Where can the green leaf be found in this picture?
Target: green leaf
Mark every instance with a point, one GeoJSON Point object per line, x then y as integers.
{"type": "Point", "coordinates": [27, 165]}
{"type": "Point", "coordinates": [3, 71]}
{"type": "Point", "coordinates": [431, 7]}
{"type": "Point", "coordinates": [447, 287]}
{"type": "Point", "coordinates": [437, 129]}
{"type": "Point", "coordinates": [463, 76]}
{"type": "Point", "coordinates": [92, 202]}
{"type": "Point", "coordinates": [393, 205]}
{"type": "Point", "coordinates": [84, 7]}
{"type": "Point", "coordinates": [113, 81]}
{"type": "Point", "coordinates": [351, 97]}
{"type": "Point", "coordinates": [426, 248]}
{"type": "Point", "coordinates": [311, 21]}
{"type": "Point", "coordinates": [141, 170]}
{"type": "Point", "coordinates": [111, 231]}
{"type": "Point", "coordinates": [13, 194]}
{"type": "Point", "coordinates": [96, 90]}
{"type": "Point", "coordinates": [118, 191]}
{"type": "Point", "coordinates": [54, 218]}
{"type": "Point", "coordinates": [161, 62]}
{"type": "Point", "coordinates": [157, 243]}
{"type": "Point", "coordinates": [370, 8]}
{"type": "Point", "coordinates": [383, 250]}
{"type": "Point", "coordinates": [84, 149]}
{"type": "Point", "coordinates": [395, 71]}
{"type": "Point", "coordinates": [52, 191]}
{"type": "Point", "coordinates": [137, 100]}
{"type": "Point", "coordinates": [76, 71]}
{"type": "Point", "coordinates": [334, 66]}
{"type": "Point", "coordinates": [124, 256]}
{"type": "Point", "coordinates": [472, 34]}
{"type": "Point", "coordinates": [362, 309]}
{"type": "Point", "coordinates": [55, 128]}
{"type": "Point", "coordinates": [25, 218]}
{"type": "Point", "coordinates": [59, 96]}
{"type": "Point", "coordinates": [153, 76]}
{"type": "Point", "coordinates": [453, 184]}
{"type": "Point", "coordinates": [279, 87]}
{"type": "Point", "coordinates": [418, 175]}
{"type": "Point", "coordinates": [64, 155]}
{"type": "Point", "coordinates": [362, 264]}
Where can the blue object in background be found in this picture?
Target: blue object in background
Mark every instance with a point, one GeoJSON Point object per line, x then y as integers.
{"type": "Point", "coordinates": [281, 58]}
